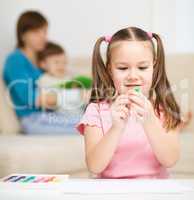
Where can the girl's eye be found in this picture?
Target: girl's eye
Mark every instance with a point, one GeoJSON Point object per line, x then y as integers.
{"type": "Point", "coordinates": [143, 68]}
{"type": "Point", "coordinates": [122, 68]}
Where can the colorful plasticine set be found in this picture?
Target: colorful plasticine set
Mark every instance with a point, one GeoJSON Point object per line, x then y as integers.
{"type": "Point", "coordinates": [34, 178]}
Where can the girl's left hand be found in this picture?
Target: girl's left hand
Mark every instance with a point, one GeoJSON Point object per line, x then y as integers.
{"type": "Point", "coordinates": [141, 107]}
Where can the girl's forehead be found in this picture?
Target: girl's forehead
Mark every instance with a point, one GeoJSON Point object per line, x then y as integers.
{"type": "Point", "coordinates": [136, 50]}
{"type": "Point", "coordinates": [131, 45]}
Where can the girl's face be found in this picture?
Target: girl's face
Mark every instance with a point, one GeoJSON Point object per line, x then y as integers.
{"type": "Point", "coordinates": [131, 64]}
{"type": "Point", "coordinates": [35, 39]}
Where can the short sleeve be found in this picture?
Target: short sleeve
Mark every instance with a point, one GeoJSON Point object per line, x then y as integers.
{"type": "Point", "coordinates": [91, 117]}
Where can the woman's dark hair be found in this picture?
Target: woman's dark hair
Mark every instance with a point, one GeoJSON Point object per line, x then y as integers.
{"type": "Point", "coordinates": [160, 93]}
{"type": "Point", "coordinates": [30, 20]}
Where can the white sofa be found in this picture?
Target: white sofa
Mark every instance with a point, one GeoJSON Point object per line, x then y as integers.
{"type": "Point", "coordinates": [65, 154]}
{"type": "Point", "coordinates": [42, 154]}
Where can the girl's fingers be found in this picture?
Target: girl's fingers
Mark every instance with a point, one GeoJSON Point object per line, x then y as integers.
{"type": "Point", "coordinates": [141, 114]}
{"type": "Point", "coordinates": [138, 100]}
{"type": "Point", "coordinates": [122, 97]}
{"type": "Point", "coordinates": [125, 110]}
{"type": "Point", "coordinates": [138, 110]}
{"type": "Point", "coordinates": [122, 100]}
{"type": "Point", "coordinates": [122, 108]}
{"type": "Point", "coordinates": [123, 115]}
{"type": "Point", "coordinates": [122, 111]}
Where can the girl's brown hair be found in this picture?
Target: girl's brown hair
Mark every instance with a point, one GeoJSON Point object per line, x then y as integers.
{"type": "Point", "coordinates": [29, 20]}
{"type": "Point", "coordinates": [160, 93]}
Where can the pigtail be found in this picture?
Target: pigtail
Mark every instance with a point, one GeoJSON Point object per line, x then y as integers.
{"type": "Point", "coordinates": [102, 81]}
{"type": "Point", "coordinates": [164, 96]}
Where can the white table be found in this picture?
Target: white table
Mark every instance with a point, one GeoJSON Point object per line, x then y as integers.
{"type": "Point", "coordinates": [99, 189]}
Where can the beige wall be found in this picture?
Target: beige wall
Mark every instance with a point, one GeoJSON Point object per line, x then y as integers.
{"type": "Point", "coordinates": [180, 69]}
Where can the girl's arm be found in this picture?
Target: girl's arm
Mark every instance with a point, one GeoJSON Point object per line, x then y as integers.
{"type": "Point", "coordinates": [100, 148]}
{"type": "Point", "coordinates": [165, 145]}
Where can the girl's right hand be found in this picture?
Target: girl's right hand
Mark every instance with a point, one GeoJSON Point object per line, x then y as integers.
{"type": "Point", "coordinates": [120, 111]}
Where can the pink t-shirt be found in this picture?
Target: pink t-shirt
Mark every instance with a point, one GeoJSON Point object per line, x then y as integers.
{"type": "Point", "coordinates": [133, 157]}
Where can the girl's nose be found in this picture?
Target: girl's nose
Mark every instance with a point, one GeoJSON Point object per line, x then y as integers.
{"type": "Point", "coordinates": [132, 74]}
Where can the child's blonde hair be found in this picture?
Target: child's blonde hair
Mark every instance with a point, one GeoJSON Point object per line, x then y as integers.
{"type": "Point", "coordinates": [160, 93]}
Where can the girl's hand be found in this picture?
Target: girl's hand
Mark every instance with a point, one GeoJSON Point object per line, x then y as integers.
{"type": "Point", "coordinates": [120, 111]}
{"type": "Point", "coordinates": [141, 107]}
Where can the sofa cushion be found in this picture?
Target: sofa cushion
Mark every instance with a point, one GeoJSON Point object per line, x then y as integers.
{"type": "Point", "coordinates": [42, 154]}
{"type": "Point", "coordinates": [9, 123]}
{"type": "Point", "coordinates": [184, 168]}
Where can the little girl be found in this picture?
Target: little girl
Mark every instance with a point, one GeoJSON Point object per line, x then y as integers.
{"type": "Point", "coordinates": [131, 123]}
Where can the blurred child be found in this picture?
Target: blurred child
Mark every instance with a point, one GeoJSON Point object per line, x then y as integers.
{"type": "Point", "coordinates": [53, 60]}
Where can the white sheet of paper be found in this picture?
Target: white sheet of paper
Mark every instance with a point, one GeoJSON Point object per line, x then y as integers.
{"type": "Point", "coordinates": [127, 186]}
{"type": "Point", "coordinates": [102, 186]}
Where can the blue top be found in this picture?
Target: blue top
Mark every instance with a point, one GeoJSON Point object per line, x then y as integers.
{"type": "Point", "coordinates": [20, 76]}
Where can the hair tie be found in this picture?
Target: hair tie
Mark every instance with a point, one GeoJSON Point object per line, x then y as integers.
{"type": "Point", "coordinates": [107, 38]}
{"type": "Point", "coordinates": [150, 35]}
